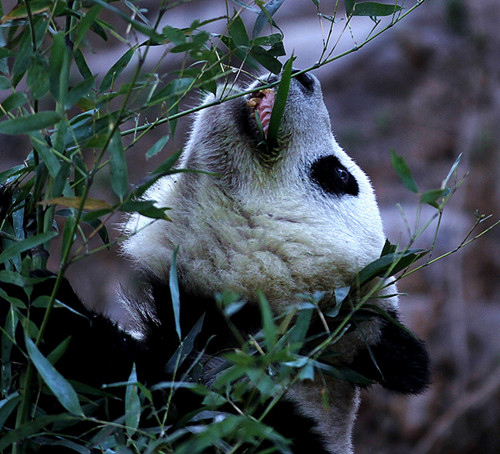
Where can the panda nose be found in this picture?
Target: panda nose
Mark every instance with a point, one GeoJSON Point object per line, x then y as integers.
{"type": "Point", "coordinates": [305, 79]}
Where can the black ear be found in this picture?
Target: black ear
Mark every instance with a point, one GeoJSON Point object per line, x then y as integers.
{"type": "Point", "coordinates": [402, 362]}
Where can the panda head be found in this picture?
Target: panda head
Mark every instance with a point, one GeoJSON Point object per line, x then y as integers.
{"type": "Point", "coordinates": [298, 218]}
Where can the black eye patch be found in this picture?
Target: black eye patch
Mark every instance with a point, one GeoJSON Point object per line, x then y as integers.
{"type": "Point", "coordinates": [333, 177]}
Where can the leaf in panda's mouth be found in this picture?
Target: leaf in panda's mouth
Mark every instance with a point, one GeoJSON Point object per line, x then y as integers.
{"type": "Point", "coordinates": [261, 103]}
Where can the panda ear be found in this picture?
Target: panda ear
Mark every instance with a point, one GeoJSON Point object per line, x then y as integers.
{"type": "Point", "coordinates": [402, 362]}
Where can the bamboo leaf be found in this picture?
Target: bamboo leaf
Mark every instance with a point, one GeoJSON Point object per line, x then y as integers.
{"type": "Point", "coordinates": [132, 404]}
{"type": "Point", "coordinates": [146, 208]}
{"type": "Point", "coordinates": [279, 104]}
{"type": "Point", "coordinates": [20, 11]}
{"type": "Point", "coordinates": [46, 153]}
{"type": "Point", "coordinates": [143, 28]}
{"type": "Point", "coordinates": [116, 69]}
{"type": "Point", "coordinates": [389, 264]}
{"type": "Point", "coordinates": [24, 245]}
{"type": "Point", "coordinates": [430, 197]}
{"type": "Point", "coordinates": [14, 100]}
{"type": "Point", "coordinates": [374, 9]}
{"type": "Point", "coordinates": [174, 292]}
{"type": "Point", "coordinates": [403, 172]}
{"type": "Point", "coordinates": [58, 67]}
{"type": "Point", "coordinates": [118, 163]}
{"type": "Point", "coordinates": [86, 22]}
{"type": "Point", "coordinates": [269, 327]}
{"type": "Point", "coordinates": [452, 171]}
{"type": "Point", "coordinates": [33, 122]}
{"type": "Point", "coordinates": [266, 59]}
{"type": "Point", "coordinates": [349, 7]}
{"type": "Point", "coordinates": [75, 202]}
{"type": "Point", "coordinates": [7, 406]}
{"type": "Point", "coordinates": [265, 16]}
{"type": "Point", "coordinates": [238, 32]}
{"type": "Point", "coordinates": [30, 428]}
{"type": "Point", "coordinates": [185, 348]}
{"type": "Point", "coordinates": [79, 91]}
{"type": "Point", "coordinates": [61, 388]}
{"type": "Point", "coordinates": [81, 64]}
{"type": "Point", "coordinates": [4, 83]}
{"type": "Point", "coordinates": [166, 168]}
{"type": "Point", "coordinates": [157, 147]}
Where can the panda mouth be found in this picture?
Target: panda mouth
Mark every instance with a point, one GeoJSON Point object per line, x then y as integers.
{"type": "Point", "coordinates": [260, 104]}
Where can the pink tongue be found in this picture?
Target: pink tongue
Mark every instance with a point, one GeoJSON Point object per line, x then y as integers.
{"type": "Point", "coordinates": [264, 110]}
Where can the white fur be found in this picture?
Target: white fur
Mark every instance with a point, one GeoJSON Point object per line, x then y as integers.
{"type": "Point", "coordinates": [270, 228]}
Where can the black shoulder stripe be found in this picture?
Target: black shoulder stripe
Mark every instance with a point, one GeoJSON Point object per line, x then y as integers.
{"type": "Point", "coordinates": [402, 360]}
{"type": "Point", "coordinates": [215, 327]}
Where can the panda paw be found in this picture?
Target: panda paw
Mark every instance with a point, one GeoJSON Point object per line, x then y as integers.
{"type": "Point", "coordinates": [398, 361]}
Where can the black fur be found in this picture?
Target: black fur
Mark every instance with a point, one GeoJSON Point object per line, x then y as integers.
{"type": "Point", "coordinates": [331, 176]}
{"type": "Point", "coordinates": [100, 352]}
{"type": "Point", "coordinates": [401, 360]}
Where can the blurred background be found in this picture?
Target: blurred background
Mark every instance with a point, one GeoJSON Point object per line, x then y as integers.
{"type": "Point", "coordinates": [429, 88]}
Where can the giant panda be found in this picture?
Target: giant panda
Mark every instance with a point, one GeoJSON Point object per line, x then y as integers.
{"type": "Point", "coordinates": [284, 221]}
{"type": "Point", "coordinates": [293, 219]}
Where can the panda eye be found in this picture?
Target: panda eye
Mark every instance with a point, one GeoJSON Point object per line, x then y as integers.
{"type": "Point", "coordinates": [332, 177]}
{"type": "Point", "coordinates": [342, 174]}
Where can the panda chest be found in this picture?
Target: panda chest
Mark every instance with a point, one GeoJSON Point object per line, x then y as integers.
{"type": "Point", "coordinates": [280, 257]}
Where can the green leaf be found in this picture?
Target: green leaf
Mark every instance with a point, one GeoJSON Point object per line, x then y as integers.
{"type": "Point", "coordinates": [174, 292]}
{"type": "Point", "coordinates": [389, 264]}
{"type": "Point", "coordinates": [79, 91]}
{"type": "Point", "coordinates": [146, 208]}
{"type": "Point", "coordinates": [388, 248]}
{"type": "Point", "coordinates": [279, 104]}
{"type": "Point", "coordinates": [403, 172]}
{"type": "Point", "coordinates": [30, 428]}
{"type": "Point", "coordinates": [46, 153]}
{"type": "Point", "coordinates": [86, 22]}
{"type": "Point", "coordinates": [87, 128]}
{"type": "Point", "coordinates": [143, 28]}
{"type": "Point", "coordinates": [269, 327]}
{"type": "Point", "coordinates": [132, 404]}
{"type": "Point", "coordinates": [12, 277]}
{"type": "Point", "coordinates": [7, 406]}
{"type": "Point", "coordinates": [117, 69]}
{"type": "Point", "coordinates": [238, 32]}
{"type": "Point", "coordinates": [166, 168]}
{"type": "Point", "coordinates": [265, 16]}
{"type": "Point", "coordinates": [374, 9]}
{"type": "Point", "coordinates": [266, 59]}
{"type": "Point", "coordinates": [56, 354]}
{"type": "Point", "coordinates": [176, 36]}
{"type": "Point", "coordinates": [298, 332]}
{"type": "Point", "coordinates": [349, 7]}
{"type": "Point", "coordinates": [61, 388]}
{"type": "Point", "coordinates": [81, 64]}
{"type": "Point", "coordinates": [177, 87]}
{"type": "Point", "coordinates": [430, 197]}
{"type": "Point", "coordinates": [69, 235]}
{"type": "Point", "coordinates": [95, 223]}
{"type": "Point", "coordinates": [29, 123]}
{"type": "Point", "coordinates": [185, 348]}
{"type": "Point", "coordinates": [157, 147]}
{"type": "Point", "coordinates": [4, 83]}
{"type": "Point", "coordinates": [38, 76]}
{"type": "Point", "coordinates": [452, 171]}
{"type": "Point", "coordinates": [24, 245]}
{"type": "Point", "coordinates": [14, 100]}
{"type": "Point", "coordinates": [58, 67]}
{"type": "Point", "coordinates": [23, 57]}
{"type": "Point", "coordinates": [118, 163]}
